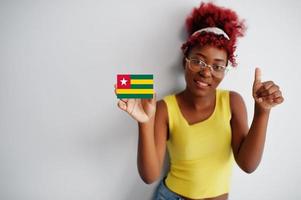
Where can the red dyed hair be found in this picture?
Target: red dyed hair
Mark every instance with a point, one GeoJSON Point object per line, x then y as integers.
{"type": "Point", "coordinates": [210, 15]}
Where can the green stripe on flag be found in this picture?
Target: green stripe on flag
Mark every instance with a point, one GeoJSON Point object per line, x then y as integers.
{"type": "Point", "coordinates": [135, 96]}
{"type": "Point", "coordinates": [142, 76]}
{"type": "Point", "coordinates": [142, 86]}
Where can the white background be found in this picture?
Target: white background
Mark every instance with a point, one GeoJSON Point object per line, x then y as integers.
{"type": "Point", "coordinates": [61, 134]}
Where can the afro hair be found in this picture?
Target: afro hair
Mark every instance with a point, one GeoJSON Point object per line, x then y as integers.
{"type": "Point", "coordinates": [210, 15]}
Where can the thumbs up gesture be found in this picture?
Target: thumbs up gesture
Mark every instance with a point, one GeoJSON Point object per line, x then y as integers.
{"type": "Point", "coordinates": [266, 94]}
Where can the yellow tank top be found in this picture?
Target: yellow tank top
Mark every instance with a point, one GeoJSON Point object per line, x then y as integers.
{"type": "Point", "coordinates": [201, 156]}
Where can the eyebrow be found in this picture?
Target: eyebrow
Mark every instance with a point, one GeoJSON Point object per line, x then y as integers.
{"type": "Point", "coordinates": [215, 59]}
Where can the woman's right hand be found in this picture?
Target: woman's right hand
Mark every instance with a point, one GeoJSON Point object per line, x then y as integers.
{"type": "Point", "coordinates": [142, 110]}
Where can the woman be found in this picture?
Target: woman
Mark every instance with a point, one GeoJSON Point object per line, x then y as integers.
{"type": "Point", "coordinates": [204, 128]}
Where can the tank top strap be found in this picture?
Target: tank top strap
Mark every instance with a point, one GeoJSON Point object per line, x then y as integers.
{"type": "Point", "coordinates": [223, 106]}
{"type": "Point", "coordinates": [172, 110]}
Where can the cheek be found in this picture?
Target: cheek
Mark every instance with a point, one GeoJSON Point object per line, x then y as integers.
{"type": "Point", "coordinates": [217, 81]}
{"type": "Point", "coordinates": [188, 76]}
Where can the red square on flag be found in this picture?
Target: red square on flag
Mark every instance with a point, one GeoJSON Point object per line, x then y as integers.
{"type": "Point", "coordinates": [123, 81]}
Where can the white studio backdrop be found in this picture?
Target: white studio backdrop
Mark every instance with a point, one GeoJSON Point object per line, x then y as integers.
{"type": "Point", "coordinates": [61, 134]}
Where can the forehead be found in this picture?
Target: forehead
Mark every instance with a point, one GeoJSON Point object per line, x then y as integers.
{"type": "Point", "coordinates": [209, 52]}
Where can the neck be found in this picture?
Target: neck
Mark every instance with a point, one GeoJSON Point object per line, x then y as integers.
{"type": "Point", "coordinates": [198, 102]}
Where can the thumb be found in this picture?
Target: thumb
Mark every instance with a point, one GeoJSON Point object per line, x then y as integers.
{"type": "Point", "coordinates": [153, 100]}
{"type": "Point", "coordinates": [154, 96]}
{"type": "Point", "coordinates": [257, 78]}
{"type": "Point", "coordinates": [257, 84]}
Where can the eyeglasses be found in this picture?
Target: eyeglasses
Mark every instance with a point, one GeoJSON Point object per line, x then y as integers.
{"type": "Point", "coordinates": [196, 65]}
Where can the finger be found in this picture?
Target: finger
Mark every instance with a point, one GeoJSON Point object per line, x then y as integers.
{"type": "Point", "coordinates": [276, 94]}
{"type": "Point", "coordinates": [259, 99]}
{"type": "Point", "coordinates": [273, 97]}
{"type": "Point", "coordinates": [276, 100]}
{"type": "Point", "coordinates": [271, 90]}
{"type": "Point", "coordinates": [257, 78]}
{"type": "Point", "coordinates": [269, 99]}
{"type": "Point", "coordinates": [152, 100]}
{"type": "Point", "coordinates": [122, 105]}
{"type": "Point", "coordinates": [265, 86]}
{"type": "Point", "coordinates": [279, 100]}
{"type": "Point", "coordinates": [124, 100]}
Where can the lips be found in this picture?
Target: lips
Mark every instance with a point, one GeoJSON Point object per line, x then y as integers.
{"type": "Point", "coordinates": [202, 84]}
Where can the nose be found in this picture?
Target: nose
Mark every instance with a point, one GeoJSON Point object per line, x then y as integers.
{"type": "Point", "coordinates": [206, 72]}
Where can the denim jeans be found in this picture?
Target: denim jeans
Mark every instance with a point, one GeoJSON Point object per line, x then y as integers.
{"type": "Point", "coordinates": [163, 193]}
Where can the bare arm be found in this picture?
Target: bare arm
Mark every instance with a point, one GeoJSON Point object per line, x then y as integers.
{"type": "Point", "coordinates": [248, 144]}
{"type": "Point", "coordinates": [152, 145]}
{"type": "Point", "coordinates": [152, 121]}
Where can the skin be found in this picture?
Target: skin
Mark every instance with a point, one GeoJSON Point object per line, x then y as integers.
{"type": "Point", "coordinates": [197, 105]}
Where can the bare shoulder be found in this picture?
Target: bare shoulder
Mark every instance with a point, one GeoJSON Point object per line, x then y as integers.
{"type": "Point", "coordinates": [236, 102]}
{"type": "Point", "coordinates": [235, 96]}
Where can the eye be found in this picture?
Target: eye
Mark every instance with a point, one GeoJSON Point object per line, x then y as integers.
{"type": "Point", "coordinates": [218, 67]}
{"type": "Point", "coordinates": [197, 62]}
{"type": "Point", "coordinates": [194, 61]}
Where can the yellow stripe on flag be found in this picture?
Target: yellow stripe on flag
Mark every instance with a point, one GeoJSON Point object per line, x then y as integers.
{"type": "Point", "coordinates": [142, 81]}
{"type": "Point", "coordinates": [135, 91]}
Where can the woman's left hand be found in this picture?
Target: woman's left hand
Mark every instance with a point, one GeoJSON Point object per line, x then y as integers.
{"type": "Point", "coordinates": [266, 94]}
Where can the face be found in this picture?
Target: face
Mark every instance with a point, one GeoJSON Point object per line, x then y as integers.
{"type": "Point", "coordinates": [202, 83]}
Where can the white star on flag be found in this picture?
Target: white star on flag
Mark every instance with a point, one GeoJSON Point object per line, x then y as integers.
{"type": "Point", "coordinates": [123, 81]}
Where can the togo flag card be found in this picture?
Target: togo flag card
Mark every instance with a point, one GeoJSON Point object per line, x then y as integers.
{"type": "Point", "coordinates": [140, 86]}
